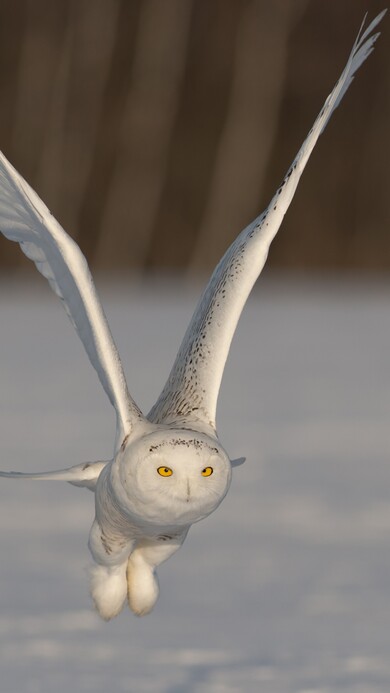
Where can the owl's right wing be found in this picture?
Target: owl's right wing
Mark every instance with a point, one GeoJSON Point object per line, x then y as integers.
{"type": "Point", "coordinates": [24, 218]}
{"type": "Point", "coordinates": [85, 475]}
{"type": "Point", "coordinates": [190, 394]}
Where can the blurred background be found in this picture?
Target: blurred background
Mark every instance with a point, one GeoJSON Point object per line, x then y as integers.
{"type": "Point", "coordinates": [156, 130]}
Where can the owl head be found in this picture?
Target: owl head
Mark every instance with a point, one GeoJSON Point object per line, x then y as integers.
{"type": "Point", "coordinates": [172, 477]}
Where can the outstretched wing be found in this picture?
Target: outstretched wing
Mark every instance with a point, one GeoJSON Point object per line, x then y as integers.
{"type": "Point", "coordinates": [191, 392]}
{"type": "Point", "coordinates": [24, 218]}
{"type": "Point", "coordinates": [81, 475]}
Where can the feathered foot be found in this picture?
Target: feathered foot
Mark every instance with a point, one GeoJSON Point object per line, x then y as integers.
{"type": "Point", "coordinates": [108, 587]}
{"type": "Point", "coordinates": [142, 585]}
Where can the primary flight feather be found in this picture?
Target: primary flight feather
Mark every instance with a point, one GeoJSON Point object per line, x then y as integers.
{"type": "Point", "coordinates": [169, 469]}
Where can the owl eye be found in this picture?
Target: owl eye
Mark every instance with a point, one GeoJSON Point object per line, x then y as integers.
{"type": "Point", "coordinates": [207, 471]}
{"type": "Point", "coordinates": [165, 471]}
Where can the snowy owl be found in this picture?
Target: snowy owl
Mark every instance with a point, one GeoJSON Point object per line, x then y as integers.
{"type": "Point", "coordinates": [168, 469]}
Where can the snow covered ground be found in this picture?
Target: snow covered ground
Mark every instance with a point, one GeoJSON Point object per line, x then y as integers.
{"type": "Point", "coordinates": [286, 588]}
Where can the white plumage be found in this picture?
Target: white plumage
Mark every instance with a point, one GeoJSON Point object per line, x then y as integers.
{"type": "Point", "coordinates": [169, 469]}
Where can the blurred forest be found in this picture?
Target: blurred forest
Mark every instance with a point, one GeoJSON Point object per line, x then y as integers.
{"type": "Point", "coordinates": [156, 129]}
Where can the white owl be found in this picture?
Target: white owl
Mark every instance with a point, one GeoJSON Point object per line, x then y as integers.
{"type": "Point", "coordinates": [169, 469]}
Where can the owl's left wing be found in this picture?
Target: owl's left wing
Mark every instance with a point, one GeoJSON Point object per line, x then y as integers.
{"type": "Point", "coordinates": [191, 392]}
{"type": "Point", "coordinates": [85, 475]}
{"type": "Point", "coordinates": [24, 218]}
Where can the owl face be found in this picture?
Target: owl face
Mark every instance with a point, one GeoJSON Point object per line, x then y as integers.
{"type": "Point", "coordinates": [174, 477]}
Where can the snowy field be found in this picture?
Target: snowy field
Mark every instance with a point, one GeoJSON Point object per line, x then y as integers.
{"type": "Point", "coordinates": [286, 588]}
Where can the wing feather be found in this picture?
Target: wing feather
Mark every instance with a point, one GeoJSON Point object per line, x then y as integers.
{"type": "Point", "coordinates": [25, 219]}
{"type": "Point", "coordinates": [191, 392]}
{"type": "Point", "coordinates": [85, 475]}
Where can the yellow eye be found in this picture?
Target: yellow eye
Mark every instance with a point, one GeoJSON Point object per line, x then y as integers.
{"type": "Point", "coordinates": [207, 471]}
{"type": "Point", "coordinates": [165, 471]}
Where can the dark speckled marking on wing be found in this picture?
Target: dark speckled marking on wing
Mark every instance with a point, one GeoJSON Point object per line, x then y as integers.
{"type": "Point", "coordinates": [191, 392]}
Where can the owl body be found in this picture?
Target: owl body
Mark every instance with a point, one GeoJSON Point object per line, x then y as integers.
{"type": "Point", "coordinates": [146, 499]}
{"type": "Point", "coordinates": [161, 483]}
